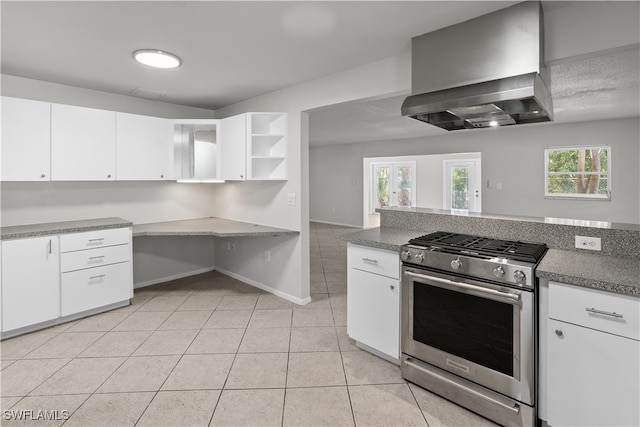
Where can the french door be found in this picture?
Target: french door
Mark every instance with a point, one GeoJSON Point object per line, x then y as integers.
{"type": "Point", "coordinates": [393, 184]}
{"type": "Point", "coordinates": [462, 185]}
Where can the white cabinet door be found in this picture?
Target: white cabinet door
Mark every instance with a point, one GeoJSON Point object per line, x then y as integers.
{"type": "Point", "coordinates": [593, 377]}
{"type": "Point", "coordinates": [83, 144]}
{"type": "Point", "coordinates": [26, 140]}
{"type": "Point", "coordinates": [143, 148]}
{"type": "Point", "coordinates": [30, 282]}
{"type": "Point", "coordinates": [373, 311]}
{"type": "Point", "coordinates": [233, 148]}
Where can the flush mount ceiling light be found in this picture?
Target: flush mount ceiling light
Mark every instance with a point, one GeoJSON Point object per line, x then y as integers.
{"type": "Point", "coordinates": [156, 58]}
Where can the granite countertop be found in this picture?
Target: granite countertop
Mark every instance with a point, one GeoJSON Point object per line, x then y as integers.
{"type": "Point", "coordinates": [65, 227]}
{"type": "Point", "coordinates": [613, 274]}
{"type": "Point", "coordinates": [216, 227]}
{"type": "Point", "coordinates": [619, 275]}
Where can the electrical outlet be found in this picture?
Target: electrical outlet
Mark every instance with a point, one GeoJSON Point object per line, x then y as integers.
{"type": "Point", "coordinates": [232, 246]}
{"type": "Point", "coordinates": [589, 243]}
{"type": "Point", "coordinates": [267, 256]}
{"type": "Point", "coordinates": [291, 199]}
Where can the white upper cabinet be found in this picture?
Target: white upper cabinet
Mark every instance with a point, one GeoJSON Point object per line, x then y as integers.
{"type": "Point", "coordinates": [143, 148]}
{"type": "Point", "coordinates": [267, 146]}
{"type": "Point", "coordinates": [26, 140]}
{"type": "Point", "coordinates": [233, 148]}
{"type": "Point", "coordinates": [253, 146]}
{"type": "Point", "coordinates": [83, 144]}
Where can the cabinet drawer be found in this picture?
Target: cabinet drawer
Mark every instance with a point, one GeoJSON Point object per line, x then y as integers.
{"type": "Point", "coordinates": [373, 260]}
{"type": "Point", "coordinates": [95, 287]}
{"type": "Point", "coordinates": [94, 239]}
{"type": "Point", "coordinates": [77, 260]}
{"type": "Point", "coordinates": [603, 311]}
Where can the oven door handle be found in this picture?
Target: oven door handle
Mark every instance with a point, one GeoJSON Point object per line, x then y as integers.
{"type": "Point", "coordinates": [513, 299]}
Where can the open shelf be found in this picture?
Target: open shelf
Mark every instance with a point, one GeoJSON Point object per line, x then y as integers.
{"type": "Point", "coordinates": [267, 146]}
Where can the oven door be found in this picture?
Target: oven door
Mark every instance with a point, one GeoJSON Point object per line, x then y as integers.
{"type": "Point", "coordinates": [479, 331]}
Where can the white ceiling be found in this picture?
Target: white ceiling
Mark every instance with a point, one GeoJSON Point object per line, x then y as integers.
{"type": "Point", "coordinates": [237, 50]}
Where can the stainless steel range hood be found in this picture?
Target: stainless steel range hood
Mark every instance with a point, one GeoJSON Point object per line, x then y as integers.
{"type": "Point", "coordinates": [481, 73]}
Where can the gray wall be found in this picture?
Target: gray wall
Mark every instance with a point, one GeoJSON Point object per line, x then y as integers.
{"type": "Point", "coordinates": [513, 156]}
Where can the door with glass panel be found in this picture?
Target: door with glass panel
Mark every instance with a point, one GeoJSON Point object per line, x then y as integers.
{"type": "Point", "coordinates": [462, 185]}
{"type": "Point", "coordinates": [393, 184]}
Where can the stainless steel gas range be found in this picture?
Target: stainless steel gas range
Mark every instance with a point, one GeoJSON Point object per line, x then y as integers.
{"type": "Point", "coordinates": [469, 322]}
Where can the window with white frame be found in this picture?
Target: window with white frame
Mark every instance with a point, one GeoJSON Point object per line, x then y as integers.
{"type": "Point", "coordinates": [578, 172]}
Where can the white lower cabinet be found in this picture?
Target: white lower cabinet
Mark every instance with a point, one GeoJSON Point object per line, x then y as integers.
{"type": "Point", "coordinates": [30, 282]}
{"type": "Point", "coordinates": [373, 299]}
{"type": "Point", "coordinates": [90, 288]}
{"type": "Point", "coordinates": [57, 278]}
{"type": "Point", "coordinates": [593, 375]}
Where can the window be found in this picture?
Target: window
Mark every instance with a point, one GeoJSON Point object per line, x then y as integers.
{"type": "Point", "coordinates": [578, 172]}
{"type": "Point", "coordinates": [461, 179]}
{"type": "Point", "coordinates": [394, 184]}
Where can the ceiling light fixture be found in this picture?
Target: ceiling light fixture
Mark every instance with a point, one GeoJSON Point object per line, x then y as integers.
{"type": "Point", "coordinates": [157, 58]}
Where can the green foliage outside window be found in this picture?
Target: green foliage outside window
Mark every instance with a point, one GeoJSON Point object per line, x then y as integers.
{"type": "Point", "coordinates": [578, 172]}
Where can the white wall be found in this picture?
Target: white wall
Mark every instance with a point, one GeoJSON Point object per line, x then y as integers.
{"type": "Point", "coordinates": [513, 156]}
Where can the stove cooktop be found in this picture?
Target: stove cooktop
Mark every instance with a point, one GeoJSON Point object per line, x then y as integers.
{"type": "Point", "coordinates": [456, 243]}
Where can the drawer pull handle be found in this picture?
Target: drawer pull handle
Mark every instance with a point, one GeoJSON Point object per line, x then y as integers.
{"type": "Point", "coordinates": [605, 313]}
{"type": "Point", "coordinates": [100, 240]}
{"type": "Point", "coordinates": [370, 261]}
{"type": "Point", "coordinates": [96, 257]}
{"type": "Point", "coordinates": [97, 277]}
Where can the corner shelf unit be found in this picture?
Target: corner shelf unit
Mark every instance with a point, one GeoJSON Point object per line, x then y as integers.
{"type": "Point", "coordinates": [267, 147]}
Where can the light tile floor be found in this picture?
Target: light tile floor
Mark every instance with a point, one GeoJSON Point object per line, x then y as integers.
{"type": "Point", "coordinates": [210, 350]}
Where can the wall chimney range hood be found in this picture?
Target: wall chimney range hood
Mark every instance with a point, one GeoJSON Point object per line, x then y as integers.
{"type": "Point", "coordinates": [481, 73]}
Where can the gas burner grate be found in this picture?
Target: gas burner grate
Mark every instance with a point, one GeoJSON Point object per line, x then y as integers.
{"type": "Point", "coordinates": [464, 243]}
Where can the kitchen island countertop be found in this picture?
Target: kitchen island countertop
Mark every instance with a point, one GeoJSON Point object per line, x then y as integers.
{"type": "Point", "coordinates": [613, 274]}
{"type": "Point", "coordinates": [215, 227]}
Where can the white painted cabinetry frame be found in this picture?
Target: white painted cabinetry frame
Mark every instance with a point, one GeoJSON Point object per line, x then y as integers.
{"type": "Point", "coordinates": [373, 300]}
{"type": "Point", "coordinates": [53, 279]}
{"type": "Point", "coordinates": [83, 144]}
{"type": "Point", "coordinates": [26, 140]}
{"type": "Point", "coordinates": [592, 357]}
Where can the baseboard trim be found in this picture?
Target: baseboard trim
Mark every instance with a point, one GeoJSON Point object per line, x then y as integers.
{"type": "Point", "coordinates": [336, 223]}
{"type": "Point", "coordinates": [172, 277]}
{"type": "Point", "coordinates": [276, 292]}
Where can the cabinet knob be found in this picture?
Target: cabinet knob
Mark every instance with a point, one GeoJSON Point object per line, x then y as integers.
{"type": "Point", "coordinates": [162, 176]}
{"type": "Point", "coordinates": [241, 176]}
{"type": "Point", "coordinates": [392, 287]}
{"type": "Point", "coordinates": [559, 333]}
{"type": "Point", "coordinates": [109, 176]}
{"type": "Point", "coordinates": [42, 175]}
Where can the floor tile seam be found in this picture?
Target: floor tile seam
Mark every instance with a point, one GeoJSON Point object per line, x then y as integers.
{"type": "Point", "coordinates": [346, 381]}
{"type": "Point", "coordinates": [43, 343]}
{"type": "Point", "coordinates": [48, 377]}
{"type": "Point", "coordinates": [235, 356]}
{"type": "Point", "coordinates": [418, 404]}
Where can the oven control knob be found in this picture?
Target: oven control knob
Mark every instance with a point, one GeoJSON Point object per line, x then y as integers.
{"type": "Point", "coordinates": [419, 257]}
{"type": "Point", "coordinates": [519, 276]}
{"type": "Point", "coordinates": [456, 264]}
{"type": "Point", "coordinates": [498, 272]}
{"type": "Point", "coordinates": [405, 255]}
